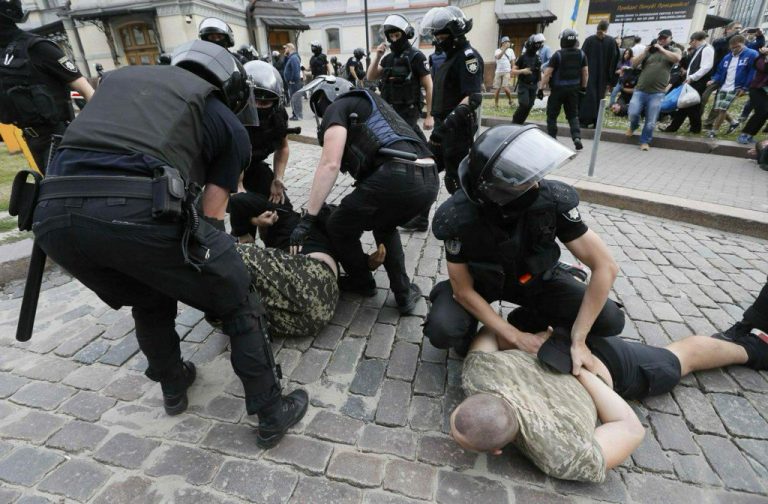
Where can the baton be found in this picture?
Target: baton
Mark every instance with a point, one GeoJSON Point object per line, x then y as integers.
{"type": "Point", "coordinates": [31, 294]}
{"type": "Point", "coordinates": [408, 156]}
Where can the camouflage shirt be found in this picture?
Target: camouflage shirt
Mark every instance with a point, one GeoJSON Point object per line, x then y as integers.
{"type": "Point", "coordinates": [556, 415]}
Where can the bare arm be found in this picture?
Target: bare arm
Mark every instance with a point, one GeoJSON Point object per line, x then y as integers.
{"type": "Point", "coordinates": [672, 56]}
{"type": "Point", "coordinates": [636, 60]}
{"type": "Point", "coordinates": [375, 69]}
{"type": "Point", "coordinates": [426, 82]}
{"type": "Point", "coordinates": [277, 191]}
{"type": "Point", "coordinates": [545, 77]}
{"type": "Point", "coordinates": [584, 76]}
{"type": "Point", "coordinates": [520, 71]}
{"type": "Point", "coordinates": [328, 168]}
{"type": "Point", "coordinates": [82, 86]}
{"type": "Point", "coordinates": [215, 199]}
{"type": "Point", "coordinates": [621, 432]}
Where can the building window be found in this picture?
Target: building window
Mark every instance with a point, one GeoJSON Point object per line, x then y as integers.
{"type": "Point", "coordinates": [334, 43]}
{"type": "Point", "coordinates": [376, 37]}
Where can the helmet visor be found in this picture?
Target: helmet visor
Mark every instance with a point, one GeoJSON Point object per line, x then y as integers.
{"type": "Point", "coordinates": [214, 24]}
{"type": "Point", "coordinates": [435, 20]}
{"type": "Point", "coordinates": [393, 22]}
{"type": "Point", "coordinates": [523, 160]}
{"type": "Point", "coordinates": [249, 116]}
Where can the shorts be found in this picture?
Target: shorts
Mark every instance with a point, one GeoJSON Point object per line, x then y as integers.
{"type": "Point", "coordinates": [638, 370]}
{"type": "Point", "coordinates": [501, 80]}
{"type": "Point", "coordinates": [723, 99]}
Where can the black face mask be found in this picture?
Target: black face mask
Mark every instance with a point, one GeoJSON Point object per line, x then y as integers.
{"type": "Point", "coordinates": [524, 201]}
{"type": "Point", "coordinates": [445, 45]}
{"type": "Point", "coordinates": [399, 45]}
{"type": "Point", "coordinates": [265, 113]}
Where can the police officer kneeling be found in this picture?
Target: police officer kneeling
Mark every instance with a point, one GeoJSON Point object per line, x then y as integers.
{"type": "Point", "coordinates": [109, 213]}
{"type": "Point", "coordinates": [499, 234]}
{"type": "Point", "coordinates": [358, 128]}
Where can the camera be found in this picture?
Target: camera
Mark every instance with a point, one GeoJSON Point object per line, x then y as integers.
{"type": "Point", "coordinates": [652, 46]}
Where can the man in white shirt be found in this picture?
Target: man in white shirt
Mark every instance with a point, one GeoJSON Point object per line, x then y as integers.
{"type": "Point", "coordinates": [699, 71]}
{"type": "Point", "coordinates": [505, 58]}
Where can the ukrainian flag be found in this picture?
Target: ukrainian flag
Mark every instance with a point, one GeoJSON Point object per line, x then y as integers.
{"type": "Point", "coordinates": [575, 12]}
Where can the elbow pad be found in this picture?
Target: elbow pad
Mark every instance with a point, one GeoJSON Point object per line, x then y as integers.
{"type": "Point", "coordinates": [475, 99]}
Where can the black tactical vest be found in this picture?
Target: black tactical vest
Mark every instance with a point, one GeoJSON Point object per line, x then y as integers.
{"type": "Point", "coordinates": [154, 110]}
{"type": "Point", "coordinates": [268, 136]}
{"type": "Point", "coordinates": [532, 61]}
{"type": "Point", "coordinates": [399, 87]}
{"type": "Point", "coordinates": [446, 92]}
{"type": "Point", "coordinates": [568, 73]}
{"type": "Point", "coordinates": [28, 97]}
{"type": "Point", "coordinates": [383, 128]}
{"type": "Point", "coordinates": [318, 65]}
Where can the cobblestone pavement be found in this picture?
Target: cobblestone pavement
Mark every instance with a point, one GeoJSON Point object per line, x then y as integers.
{"type": "Point", "coordinates": [80, 422]}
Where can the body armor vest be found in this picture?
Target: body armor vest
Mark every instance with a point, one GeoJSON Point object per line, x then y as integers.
{"type": "Point", "coordinates": [383, 128]}
{"type": "Point", "coordinates": [399, 87]}
{"type": "Point", "coordinates": [153, 110]}
{"type": "Point", "coordinates": [532, 61]}
{"type": "Point", "coordinates": [28, 97]}
{"type": "Point", "coordinates": [568, 73]}
{"type": "Point", "coordinates": [446, 92]}
{"type": "Point", "coordinates": [318, 65]}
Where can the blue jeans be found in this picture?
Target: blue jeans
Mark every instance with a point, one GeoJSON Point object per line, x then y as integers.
{"type": "Point", "coordinates": [296, 99]}
{"type": "Point", "coordinates": [614, 93]}
{"type": "Point", "coordinates": [650, 103]}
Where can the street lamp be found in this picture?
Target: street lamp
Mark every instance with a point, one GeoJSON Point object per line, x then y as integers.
{"type": "Point", "coordinates": [367, 42]}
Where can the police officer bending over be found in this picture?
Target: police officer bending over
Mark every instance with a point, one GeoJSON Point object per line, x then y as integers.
{"type": "Point", "coordinates": [403, 73]}
{"type": "Point", "coordinates": [499, 234]}
{"type": "Point", "coordinates": [318, 63]}
{"type": "Point", "coordinates": [263, 203]}
{"type": "Point", "coordinates": [396, 179]}
{"type": "Point", "coordinates": [35, 77]}
{"type": "Point", "coordinates": [114, 213]}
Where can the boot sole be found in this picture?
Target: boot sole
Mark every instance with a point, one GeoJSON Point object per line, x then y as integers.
{"type": "Point", "coordinates": [265, 443]}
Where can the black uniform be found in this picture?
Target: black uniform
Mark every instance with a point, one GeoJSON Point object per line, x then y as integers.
{"type": "Point", "coordinates": [565, 84]}
{"type": "Point", "coordinates": [401, 84]}
{"type": "Point", "coordinates": [388, 191]}
{"type": "Point", "coordinates": [318, 65]}
{"type": "Point", "coordinates": [100, 225]}
{"type": "Point", "coordinates": [512, 258]}
{"type": "Point", "coordinates": [527, 85]}
{"type": "Point", "coordinates": [357, 64]}
{"type": "Point", "coordinates": [257, 181]}
{"type": "Point", "coordinates": [34, 95]}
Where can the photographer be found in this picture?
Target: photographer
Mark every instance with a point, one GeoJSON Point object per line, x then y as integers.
{"type": "Point", "coordinates": [655, 62]}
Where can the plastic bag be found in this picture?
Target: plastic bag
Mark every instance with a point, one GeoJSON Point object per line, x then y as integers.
{"type": "Point", "coordinates": [688, 97]}
{"type": "Point", "coordinates": [669, 102]}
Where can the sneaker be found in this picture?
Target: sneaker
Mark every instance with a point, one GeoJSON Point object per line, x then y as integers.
{"type": "Point", "coordinates": [364, 288]}
{"type": "Point", "coordinates": [745, 139]}
{"type": "Point", "coordinates": [711, 134]}
{"type": "Point", "coordinates": [406, 305]}
{"type": "Point", "coordinates": [577, 143]}
{"type": "Point", "coordinates": [278, 417]}
{"type": "Point", "coordinates": [645, 147]}
{"type": "Point", "coordinates": [629, 133]}
{"type": "Point", "coordinates": [175, 399]}
{"type": "Point", "coordinates": [418, 223]}
{"type": "Point", "coordinates": [732, 127]}
{"type": "Point", "coordinates": [752, 339]}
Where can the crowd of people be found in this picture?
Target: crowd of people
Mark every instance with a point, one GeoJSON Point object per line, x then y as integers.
{"type": "Point", "coordinates": [135, 209]}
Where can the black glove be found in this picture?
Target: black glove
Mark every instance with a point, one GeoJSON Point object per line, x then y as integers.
{"type": "Point", "coordinates": [540, 94]}
{"type": "Point", "coordinates": [460, 117]}
{"type": "Point", "coordinates": [302, 229]}
{"type": "Point", "coordinates": [437, 135]}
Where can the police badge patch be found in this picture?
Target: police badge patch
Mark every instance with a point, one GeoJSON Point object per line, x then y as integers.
{"type": "Point", "coordinates": [67, 64]}
{"type": "Point", "coordinates": [573, 215]}
{"type": "Point", "coordinates": [472, 65]}
{"type": "Point", "coordinates": [453, 247]}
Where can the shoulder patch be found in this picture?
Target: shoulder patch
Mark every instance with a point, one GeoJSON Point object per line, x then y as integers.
{"type": "Point", "coordinates": [67, 64]}
{"type": "Point", "coordinates": [573, 215]}
{"type": "Point", "coordinates": [472, 65]}
{"type": "Point", "coordinates": [469, 52]}
{"type": "Point", "coordinates": [453, 246]}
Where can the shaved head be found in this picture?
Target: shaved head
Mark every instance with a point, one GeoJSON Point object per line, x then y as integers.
{"type": "Point", "coordinates": [484, 422]}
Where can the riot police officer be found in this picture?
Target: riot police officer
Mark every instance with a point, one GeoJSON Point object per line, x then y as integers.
{"type": "Point", "coordinates": [499, 232]}
{"type": "Point", "coordinates": [263, 204]}
{"type": "Point", "coordinates": [318, 63]}
{"type": "Point", "coordinates": [119, 211]}
{"type": "Point", "coordinates": [527, 69]}
{"type": "Point", "coordinates": [335, 65]}
{"type": "Point", "coordinates": [354, 70]}
{"type": "Point", "coordinates": [35, 78]}
{"type": "Point", "coordinates": [566, 75]}
{"type": "Point", "coordinates": [216, 31]}
{"type": "Point", "coordinates": [246, 53]}
{"type": "Point", "coordinates": [395, 175]}
{"type": "Point", "coordinates": [403, 73]}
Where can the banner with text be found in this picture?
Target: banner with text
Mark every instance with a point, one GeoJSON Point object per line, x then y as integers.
{"type": "Point", "coordinates": [643, 18]}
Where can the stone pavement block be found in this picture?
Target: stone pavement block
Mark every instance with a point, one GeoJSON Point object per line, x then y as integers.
{"type": "Point", "coordinates": [5, 448]}
{"type": "Point", "coordinates": [443, 451]}
{"type": "Point", "coordinates": [729, 464]}
{"type": "Point", "coordinates": [748, 379]}
{"type": "Point", "coordinates": [684, 306]}
{"type": "Point", "coordinates": [715, 380]}
{"type": "Point", "coordinates": [650, 456]}
{"type": "Point", "coordinates": [388, 315]}
{"type": "Point", "coordinates": [125, 450]}
{"type": "Point", "coordinates": [512, 465]}
{"type": "Point", "coordinates": [120, 327]}
{"type": "Point", "coordinates": [334, 427]}
{"type": "Point", "coordinates": [378, 497]}
{"type": "Point", "coordinates": [345, 357]}
{"type": "Point", "coordinates": [719, 318]}
{"type": "Point", "coordinates": [255, 482]}
{"type": "Point", "coordinates": [637, 309]}
{"type": "Point", "coordinates": [410, 329]}
{"type": "Point", "coordinates": [430, 379]}
{"type": "Point", "coordinates": [410, 478]}
{"type": "Point", "coordinates": [368, 378]}
{"type": "Point", "coordinates": [360, 408]}
{"type": "Point", "coordinates": [214, 346]}
{"type": "Point", "coordinates": [663, 403]}
{"type": "Point", "coordinates": [87, 406]}
{"type": "Point", "coordinates": [527, 494]}
{"type": "Point", "coordinates": [76, 479]}
{"type": "Point", "coordinates": [456, 488]}
{"type": "Point", "coordinates": [698, 411]}
{"type": "Point", "coordinates": [288, 358]}
{"type": "Point", "coordinates": [225, 408]}
{"type": "Point", "coordinates": [302, 452]}
{"type": "Point", "coordinates": [453, 396]}
{"type": "Point", "coordinates": [402, 364]}
{"type": "Point", "coordinates": [8, 495]}
{"type": "Point", "coordinates": [196, 466]}
{"type": "Point", "coordinates": [189, 430]}
{"type": "Point", "coordinates": [363, 321]}
{"type": "Point", "coordinates": [42, 395]}
{"type": "Point", "coordinates": [311, 366]}
{"type": "Point", "coordinates": [757, 450]}
{"type": "Point", "coordinates": [35, 426]}
{"type": "Point", "coordinates": [758, 402]}
{"type": "Point", "coordinates": [236, 440]}
{"type": "Point", "coordinates": [425, 414]}
{"type": "Point", "coordinates": [49, 369]}
{"type": "Point", "coordinates": [612, 489]}
{"type": "Point", "coordinates": [297, 343]}
{"type": "Point", "coordinates": [739, 417]}
{"type": "Point", "coordinates": [9, 384]}
{"type": "Point", "coordinates": [328, 337]}
{"type": "Point", "coordinates": [26, 466]}
{"type": "Point", "coordinates": [676, 330]}
{"type": "Point", "coordinates": [650, 488]}
{"type": "Point", "coordinates": [93, 377]}
{"type": "Point", "coordinates": [431, 354]}
{"type": "Point", "coordinates": [119, 353]}
{"type": "Point", "coordinates": [345, 313]}
{"type": "Point", "coordinates": [379, 439]}
{"type": "Point", "coordinates": [673, 434]}
{"type": "Point", "coordinates": [189, 317]}
{"type": "Point", "coordinates": [128, 387]}
{"type": "Point", "coordinates": [199, 333]}
{"type": "Point", "coordinates": [315, 490]}
{"type": "Point", "coordinates": [652, 334]}
{"type": "Point", "coordinates": [380, 342]}
{"type": "Point", "coordinates": [92, 352]}
{"type": "Point", "coordinates": [356, 469]}
{"type": "Point", "coordinates": [75, 343]}
{"type": "Point", "coordinates": [77, 436]}
{"type": "Point", "coordinates": [694, 469]}
{"type": "Point", "coordinates": [664, 311]}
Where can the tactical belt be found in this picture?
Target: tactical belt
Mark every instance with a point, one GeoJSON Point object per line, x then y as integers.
{"type": "Point", "coordinates": [95, 187]}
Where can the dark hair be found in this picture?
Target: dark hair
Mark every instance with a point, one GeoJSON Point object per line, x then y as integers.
{"type": "Point", "coordinates": [627, 51]}
{"type": "Point", "coordinates": [638, 39]}
{"type": "Point", "coordinates": [737, 39]}
{"type": "Point", "coordinates": [603, 25]}
{"type": "Point", "coordinates": [699, 35]}
{"type": "Point", "coordinates": [731, 25]}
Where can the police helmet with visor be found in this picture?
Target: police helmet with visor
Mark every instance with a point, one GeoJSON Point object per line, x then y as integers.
{"type": "Point", "coordinates": [316, 47]}
{"type": "Point", "coordinates": [395, 22]}
{"type": "Point", "coordinates": [215, 26]}
{"type": "Point", "coordinates": [449, 20]}
{"type": "Point", "coordinates": [12, 10]}
{"type": "Point", "coordinates": [568, 38]}
{"type": "Point", "coordinates": [508, 160]}
{"type": "Point", "coordinates": [265, 81]}
{"type": "Point", "coordinates": [324, 90]}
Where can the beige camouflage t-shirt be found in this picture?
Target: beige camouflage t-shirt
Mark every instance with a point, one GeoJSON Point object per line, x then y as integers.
{"type": "Point", "coordinates": [556, 415]}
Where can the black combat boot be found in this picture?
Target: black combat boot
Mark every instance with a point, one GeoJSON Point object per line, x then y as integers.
{"type": "Point", "coordinates": [406, 303]}
{"type": "Point", "coordinates": [275, 419]}
{"type": "Point", "coordinates": [175, 388]}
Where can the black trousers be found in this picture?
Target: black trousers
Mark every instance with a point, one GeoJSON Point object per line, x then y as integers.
{"type": "Point", "coordinates": [568, 99]}
{"type": "Point", "coordinates": [554, 301]}
{"type": "Point", "coordinates": [391, 196]}
{"type": "Point", "coordinates": [39, 142]}
{"type": "Point", "coordinates": [115, 249]}
{"type": "Point", "coordinates": [526, 95]}
{"type": "Point", "coordinates": [693, 114]}
{"type": "Point", "coordinates": [759, 100]}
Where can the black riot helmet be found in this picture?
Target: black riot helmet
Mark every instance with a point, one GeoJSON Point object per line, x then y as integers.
{"type": "Point", "coordinates": [397, 23]}
{"type": "Point", "coordinates": [11, 10]}
{"type": "Point", "coordinates": [359, 53]}
{"type": "Point", "coordinates": [316, 47]}
{"type": "Point", "coordinates": [215, 26]}
{"type": "Point", "coordinates": [507, 160]}
{"type": "Point", "coordinates": [450, 20]}
{"type": "Point", "coordinates": [218, 66]}
{"type": "Point", "coordinates": [334, 60]}
{"type": "Point", "coordinates": [324, 90]}
{"type": "Point", "coordinates": [568, 38]}
{"type": "Point", "coordinates": [265, 81]}
{"type": "Point", "coordinates": [164, 59]}
{"type": "Point", "coordinates": [247, 53]}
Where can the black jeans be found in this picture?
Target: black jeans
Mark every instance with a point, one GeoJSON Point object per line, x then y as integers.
{"type": "Point", "coordinates": [759, 100]}
{"type": "Point", "coordinates": [555, 302]}
{"type": "Point", "coordinates": [693, 114]}
{"type": "Point", "coordinates": [39, 142]}
{"type": "Point", "coordinates": [391, 196]}
{"type": "Point", "coordinates": [526, 95]}
{"type": "Point", "coordinates": [568, 99]}
{"type": "Point", "coordinates": [115, 249]}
